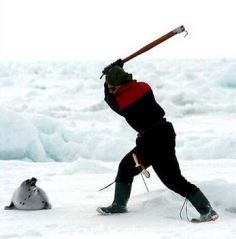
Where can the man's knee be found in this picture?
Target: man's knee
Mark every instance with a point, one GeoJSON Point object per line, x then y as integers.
{"type": "Point", "coordinates": [126, 170]}
{"type": "Point", "coordinates": [123, 179]}
{"type": "Point", "coordinates": [180, 185]}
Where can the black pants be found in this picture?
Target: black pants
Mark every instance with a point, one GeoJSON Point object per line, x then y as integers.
{"type": "Point", "coordinates": [156, 148]}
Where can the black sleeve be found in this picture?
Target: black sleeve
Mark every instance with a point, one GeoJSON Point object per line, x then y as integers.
{"type": "Point", "coordinates": [110, 100]}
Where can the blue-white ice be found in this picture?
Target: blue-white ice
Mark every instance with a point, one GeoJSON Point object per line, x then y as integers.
{"type": "Point", "coordinates": [55, 111]}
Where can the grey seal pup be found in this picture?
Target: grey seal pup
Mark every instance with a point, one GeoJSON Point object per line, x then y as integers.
{"type": "Point", "coordinates": [29, 197]}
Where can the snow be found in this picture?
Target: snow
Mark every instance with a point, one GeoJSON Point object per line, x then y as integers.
{"type": "Point", "coordinates": [55, 126]}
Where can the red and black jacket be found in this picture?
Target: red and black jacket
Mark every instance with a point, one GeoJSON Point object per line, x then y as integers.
{"type": "Point", "coordinates": [135, 101]}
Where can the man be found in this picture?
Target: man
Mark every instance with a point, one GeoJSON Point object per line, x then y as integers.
{"type": "Point", "coordinates": [155, 143]}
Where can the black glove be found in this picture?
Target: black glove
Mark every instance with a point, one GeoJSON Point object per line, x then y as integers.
{"type": "Point", "coordinates": [119, 63]}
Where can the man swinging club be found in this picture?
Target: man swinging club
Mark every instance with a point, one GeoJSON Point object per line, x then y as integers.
{"type": "Point", "coordinates": [155, 143]}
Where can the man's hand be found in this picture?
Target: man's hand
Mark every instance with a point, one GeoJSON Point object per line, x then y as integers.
{"type": "Point", "coordinates": [119, 63]}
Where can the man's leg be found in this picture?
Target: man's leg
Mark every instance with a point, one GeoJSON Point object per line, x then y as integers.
{"type": "Point", "coordinates": [124, 179]}
{"type": "Point", "coordinates": [167, 168]}
{"type": "Point", "coordinates": [127, 169]}
{"type": "Point", "coordinates": [159, 148]}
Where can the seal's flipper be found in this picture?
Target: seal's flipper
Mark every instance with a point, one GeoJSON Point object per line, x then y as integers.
{"type": "Point", "coordinates": [45, 200]}
{"type": "Point", "coordinates": [47, 205]}
{"type": "Point", "coordinates": [10, 207]}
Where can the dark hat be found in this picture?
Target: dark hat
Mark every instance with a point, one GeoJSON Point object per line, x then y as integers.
{"type": "Point", "coordinates": [117, 76]}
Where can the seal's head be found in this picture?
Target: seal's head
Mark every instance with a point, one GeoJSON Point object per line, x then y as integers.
{"type": "Point", "coordinates": [29, 182]}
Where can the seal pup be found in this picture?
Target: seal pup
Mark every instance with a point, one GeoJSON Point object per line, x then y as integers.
{"type": "Point", "coordinates": [29, 197]}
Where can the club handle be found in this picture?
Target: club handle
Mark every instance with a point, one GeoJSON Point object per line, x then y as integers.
{"type": "Point", "coordinates": [155, 42]}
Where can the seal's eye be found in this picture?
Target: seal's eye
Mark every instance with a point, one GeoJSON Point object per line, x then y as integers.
{"type": "Point", "coordinates": [27, 181]}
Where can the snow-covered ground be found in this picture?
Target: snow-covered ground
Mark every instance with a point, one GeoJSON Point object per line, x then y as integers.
{"type": "Point", "coordinates": [55, 126]}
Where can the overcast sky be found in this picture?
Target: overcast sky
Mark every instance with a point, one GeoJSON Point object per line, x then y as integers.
{"type": "Point", "coordinates": [108, 29]}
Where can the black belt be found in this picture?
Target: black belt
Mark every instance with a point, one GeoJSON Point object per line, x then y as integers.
{"type": "Point", "coordinates": [156, 124]}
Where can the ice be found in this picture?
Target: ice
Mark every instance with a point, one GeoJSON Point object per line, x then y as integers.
{"type": "Point", "coordinates": [55, 126]}
{"type": "Point", "coordinates": [19, 139]}
{"type": "Point", "coordinates": [72, 188]}
{"type": "Point", "coordinates": [63, 102]}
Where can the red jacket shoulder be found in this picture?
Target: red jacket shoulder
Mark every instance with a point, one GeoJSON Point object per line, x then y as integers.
{"type": "Point", "coordinates": [129, 93]}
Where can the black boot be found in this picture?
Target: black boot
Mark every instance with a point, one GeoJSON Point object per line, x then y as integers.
{"type": "Point", "coordinates": [202, 205]}
{"type": "Point", "coordinates": [122, 194]}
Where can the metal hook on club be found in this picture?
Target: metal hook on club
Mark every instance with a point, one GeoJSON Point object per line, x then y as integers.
{"type": "Point", "coordinates": [186, 33]}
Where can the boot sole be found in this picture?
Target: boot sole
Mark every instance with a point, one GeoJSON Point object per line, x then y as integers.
{"type": "Point", "coordinates": [213, 218]}
{"type": "Point", "coordinates": [101, 212]}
